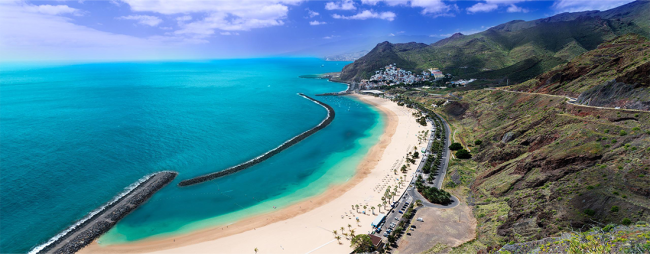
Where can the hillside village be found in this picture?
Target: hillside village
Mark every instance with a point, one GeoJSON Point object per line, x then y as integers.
{"type": "Point", "coordinates": [392, 75]}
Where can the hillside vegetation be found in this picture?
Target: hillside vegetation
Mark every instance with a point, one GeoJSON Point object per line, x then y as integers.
{"type": "Point", "coordinates": [545, 166]}
{"type": "Point", "coordinates": [615, 74]}
{"type": "Point", "coordinates": [516, 51]}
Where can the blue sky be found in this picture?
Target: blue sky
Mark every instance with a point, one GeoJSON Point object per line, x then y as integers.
{"type": "Point", "coordinates": [173, 29]}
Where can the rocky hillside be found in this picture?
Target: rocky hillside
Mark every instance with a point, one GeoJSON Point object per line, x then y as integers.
{"type": "Point", "coordinates": [517, 50]}
{"type": "Point", "coordinates": [615, 74]}
{"type": "Point", "coordinates": [545, 166]}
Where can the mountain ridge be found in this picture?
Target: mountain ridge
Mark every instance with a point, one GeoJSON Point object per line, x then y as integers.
{"type": "Point", "coordinates": [542, 43]}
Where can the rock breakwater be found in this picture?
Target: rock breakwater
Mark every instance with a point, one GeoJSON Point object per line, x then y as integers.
{"type": "Point", "coordinates": [104, 218]}
{"type": "Point", "coordinates": [269, 154]}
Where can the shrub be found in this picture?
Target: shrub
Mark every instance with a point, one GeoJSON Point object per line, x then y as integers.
{"type": "Point", "coordinates": [589, 212]}
{"type": "Point", "coordinates": [455, 146]}
{"type": "Point", "coordinates": [478, 142]}
{"type": "Point", "coordinates": [463, 154]}
{"type": "Point", "coordinates": [590, 187]}
{"type": "Point", "coordinates": [626, 222]}
{"type": "Point", "coordinates": [614, 209]}
{"type": "Point", "coordinates": [623, 133]}
{"type": "Point", "coordinates": [607, 131]}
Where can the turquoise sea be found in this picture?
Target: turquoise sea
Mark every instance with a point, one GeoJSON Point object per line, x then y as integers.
{"type": "Point", "coordinates": [72, 136]}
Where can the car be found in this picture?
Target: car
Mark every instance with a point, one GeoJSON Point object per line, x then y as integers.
{"type": "Point", "coordinates": [396, 218]}
{"type": "Point", "coordinates": [385, 234]}
{"type": "Point", "coordinates": [400, 211]}
{"type": "Point", "coordinates": [388, 231]}
{"type": "Point", "coordinates": [408, 233]}
{"type": "Point", "coordinates": [413, 226]}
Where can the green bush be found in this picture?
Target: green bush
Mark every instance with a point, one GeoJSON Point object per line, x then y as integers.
{"type": "Point", "coordinates": [463, 154]}
{"type": "Point", "coordinates": [589, 212]}
{"type": "Point", "coordinates": [614, 209]}
{"type": "Point", "coordinates": [626, 222]}
{"type": "Point", "coordinates": [623, 133]}
{"type": "Point", "coordinates": [478, 142]}
{"type": "Point", "coordinates": [455, 146]}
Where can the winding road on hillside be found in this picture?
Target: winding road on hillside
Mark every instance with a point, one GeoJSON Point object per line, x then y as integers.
{"type": "Point", "coordinates": [571, 101]}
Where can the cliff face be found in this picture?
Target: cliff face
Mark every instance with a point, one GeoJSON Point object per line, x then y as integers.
{"type": "Point", "coordinates": [517, 50]}
{"type": "Point", "coordinates": [616, 74]}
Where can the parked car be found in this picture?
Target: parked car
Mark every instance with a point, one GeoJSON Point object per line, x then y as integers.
{"type": "Point", "coordinates": [412, 226]}
{"type": "Point", "coordinates": [396, 218]}
{"type": "Point", "coordinates": [408, 233]}
{"type": "Point", "coordinates": [400, 211]}
{"type": "Point", "coordinates": [385, 234]}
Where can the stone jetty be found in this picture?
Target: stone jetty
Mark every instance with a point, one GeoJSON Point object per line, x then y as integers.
{"type": "Point", "coordinates": [83, 234]}
{"type": "Point", "coordinates": [269, 154]}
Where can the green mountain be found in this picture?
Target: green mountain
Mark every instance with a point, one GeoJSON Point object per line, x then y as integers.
{"type": "Point", "coordinates": [517, 50]}
{"type": "Point", "coordinates": [616, 74]}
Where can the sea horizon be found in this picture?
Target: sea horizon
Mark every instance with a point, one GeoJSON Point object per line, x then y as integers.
{"type": "Point", "coordinates": [163, 116]}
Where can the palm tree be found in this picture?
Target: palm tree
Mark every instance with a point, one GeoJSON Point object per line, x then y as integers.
{"type": "Point", "coordinates": [346, 235]}
{"type": "Point", "coordinates": [357, 206]}
{"type": "Point", "coordinates": [349, 226]}
{"type": "Point", "coordinates": [352, 233]}
{"type": "Point", "coordinates": [334, 231]}
{"type": "Point", "coordinates": [373, 210]}
{"type": "Point", "coordinates": [365, 207]}
{"type": "Point", "coordinates": [338, 238]}
{"type": "Point", "coordinates": [352, 207]}
{"type": "Point", "coordinates": [342, 228]}
{"type": "Point", "coordinates": [379, 208]}
{"type": "Point", "coordinates": [256, 250]}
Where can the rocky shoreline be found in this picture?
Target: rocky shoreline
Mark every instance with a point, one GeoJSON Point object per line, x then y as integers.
{"type": "Point", "coordinates": [90, 229]}
{"type": "Point", "coordinates": [269, 154]}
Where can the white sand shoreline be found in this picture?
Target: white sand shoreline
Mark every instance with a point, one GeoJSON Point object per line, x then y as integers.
{"type": "Point", "coordinates": [307, 227]}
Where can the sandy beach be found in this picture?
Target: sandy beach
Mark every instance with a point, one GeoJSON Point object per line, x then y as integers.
{"type": "Point", "coordinates": [307, 227]}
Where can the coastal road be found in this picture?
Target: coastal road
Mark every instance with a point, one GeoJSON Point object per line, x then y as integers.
{"type": "Point", "coordinates": [442, 171]}
{"type": "Point", "coordinates": [444, 163]}
{"type": "Point", "coordinates": [411, 194]}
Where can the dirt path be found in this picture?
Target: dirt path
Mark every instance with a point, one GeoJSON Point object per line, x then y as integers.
{"type": "Point", "coordinates": [570, 100]}
{"type": "Point", "coordinates": [450, 227]}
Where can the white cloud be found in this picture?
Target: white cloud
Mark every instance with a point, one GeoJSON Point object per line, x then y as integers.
{"type": "Point", "coordinates": [491, 5]}
{"type": "Point", "coordinates": [143, 19]}
{"type": "Point", "coordinates": [330, 37]}
{"type": "Point", "coordinates": [27, 35]}
{"type": "Point", "coordinates": [316, 23]}
{"type": "Point", "coordinates": [228, 33]}
{"type": "Point", "coordinates": [346, 5]}
{"type": "Point", "coordinates": [311, 13]}
{"type": "Point", "coordinates": [482, 7]}
{"type": "Point", "coordinates": [432, 6]}
{"type": "Point", "coordinates": [184, 18]}
{"type": "Point", "coordinates": [586, 5]}
{"type": "Point", "coordinates": [391, 34]}
{"type": "Point", "coordinates": [435, 7]}
{"type": "Point", "coordinates": [514, 8]}
{"type": "Point", "coordinates": [52, 9]}
{"type": "Point", "coordinates": [224, 15]}
{"type": "Point", "coordinates": [368, 14]}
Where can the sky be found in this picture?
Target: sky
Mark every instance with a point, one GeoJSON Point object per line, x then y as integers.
{"type": "Point", "coordinates": [118, 30]}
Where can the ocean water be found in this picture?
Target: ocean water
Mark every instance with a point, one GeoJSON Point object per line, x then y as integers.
{"type": "Point", "coordinates": [72, 136]}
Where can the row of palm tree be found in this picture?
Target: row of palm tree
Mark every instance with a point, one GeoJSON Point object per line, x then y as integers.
{"type": "Point", "coordinates": [350, 233]}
